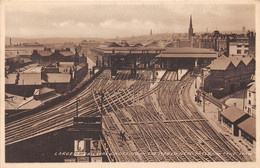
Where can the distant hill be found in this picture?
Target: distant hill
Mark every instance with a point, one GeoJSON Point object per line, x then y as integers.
{"type": "Point", "coordinates": [48, 40]}
{"type": "Point", "coordinates": [161, 36]}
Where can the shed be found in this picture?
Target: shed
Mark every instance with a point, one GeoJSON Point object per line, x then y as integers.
{"type": "Point", "coordinates": [232, 116]}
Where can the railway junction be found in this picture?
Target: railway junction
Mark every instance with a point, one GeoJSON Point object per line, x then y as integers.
{"type": "Point", "coordinates": [130, 111]}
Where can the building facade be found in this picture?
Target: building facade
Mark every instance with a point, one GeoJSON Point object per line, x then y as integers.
{"type": "Point", "coordinates": [238, 49]}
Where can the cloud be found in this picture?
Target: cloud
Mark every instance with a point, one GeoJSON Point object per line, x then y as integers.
{"type": "Point", "coordinates": [111, 20]}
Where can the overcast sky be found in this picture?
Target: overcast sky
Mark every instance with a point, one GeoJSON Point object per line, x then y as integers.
{"type": "Point", "coordinates": [110, 20]}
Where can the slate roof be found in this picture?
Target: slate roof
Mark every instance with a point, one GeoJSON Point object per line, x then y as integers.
{"type": "Point", "coordinates": [10, 79]}
{"type": "Point", "coordinates": [66, 64]}
{"type": "Point", "coordinates": [43, 90]}
{"type": "Point", "coordinates": [187, 53]}
{"type": "Point", "coordinates": [247, 60]}
{"type": "Point", "coordinates": [16, 102]}
{"type": "Point", "coordinates": [29, 103]}
{"type": "Point", "coordinates": [58, 78]}
{"type": "Point", "coordinates": [80, 66]}
{"type": "Point", "coordinates": [252, 87]}
{"type": "Point", "coordinates": [190, 50]}
{"type": "Point", "coordinates": [30, 79]}
{"type": "Point", "coordinates": [45, 53]}
{"type": "Point", "coordinates": [66, 53]}
{"type": "Point", "coordinates": [37, 69]}
{"type": "Point", "coordinates": [137, 45]}
{"type": "Point", "coordinates": [109, 44]}
{"type": "Point", "coordinates": [236, 62]}
{"type": "Point", "coordinates": [249, 126]}
{"type": "Point", "coordinates": [220, 65]}
{"type": "Point", "coordinates": [233, 113]}
{"type": "Point", "coordinates": [26, 60]}
{"type": "Point", "coordinates": [153, 44]}
{"type": "Point", "coordinates": [12, 101]}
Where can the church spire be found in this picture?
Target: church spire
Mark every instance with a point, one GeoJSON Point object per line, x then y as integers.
{"type": "Point", "coordinates": [190, 29]}
{"type": "Point", "coordinates": [190, 21]}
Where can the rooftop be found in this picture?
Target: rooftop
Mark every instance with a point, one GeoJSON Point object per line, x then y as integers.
{"type": "Point", "coordinates": [30, 79]}
{"type": "Point", "coordinates": [109, 44]}
{"type": "Point", "coordinates": [189, 50]}
{"type": "Point", "coordinates": [10, 79]}
{"type": "Point", "coordinates": [247, 60]}
{"type": "Point", "coordinates": [12, 101]}
{"type": "Point", "coordinates": [45, 53]}
{"type": "Point", "coordinates": [66, 64]}
{"type": "Point", "coordinates": [128, 50]}
{"type": "Point", "coordinates": [29, 103]}
{"type": "Point", "coordinates": [236, 62]}
{"type": "Point", "coordinates": [15, 102]}
{"type": "Point", "coordinates": [249, 126]}
{"type": "Point", "coordinates": [222, 62]}
{"type": "Point", "coordinates": [43, 90]}
{"type": "Point", "coordinates": [58, 78]}
{"type": "Point", "coordinates": [187, 53]}
{"type": "Point", "coordinates": [66, 53]}
{"type": "Point", "coordinates": [252, 87]}
{"type": "Point", "coordinates": [233, 113]}
{"type": "Point", "coordinates": [26, 60]}
{"type": "Point", "coordinates": [37, 69]}
{"type": "Point", "coordinates": [238, 43]}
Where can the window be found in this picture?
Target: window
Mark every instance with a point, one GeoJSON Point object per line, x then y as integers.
{"type": "Point", "coordinates": [238, 45]}
{"type": "Point", "coordinates": [249, 101]}
{"type": "Point", "coordinates": [246, 51]}
{"type": "Point", "coordinates": [247, 46]}
{"type": "Point", "coordinates": [239, 51]}
{"type": "Point", "coordinates": [249, 94]}
{"type": "Point", "coordinates": [249, 110]}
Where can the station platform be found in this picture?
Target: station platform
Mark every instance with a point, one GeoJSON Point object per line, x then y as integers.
{"type": "Point", "coordinates": [211, 114]}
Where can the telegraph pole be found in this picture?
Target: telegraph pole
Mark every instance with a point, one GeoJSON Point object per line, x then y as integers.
{"type": "Point", "coordinates": [203, 97]}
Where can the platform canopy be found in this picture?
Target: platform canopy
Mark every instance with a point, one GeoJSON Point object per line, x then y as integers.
{"type": "Point", "coordinates": [188, 53]}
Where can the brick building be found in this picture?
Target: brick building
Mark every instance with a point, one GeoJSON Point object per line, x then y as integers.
{"type": "Point", "coordinates": [42, 57]}
{"type": "Point", "coordinates": [228, 75]}
{"type": "Point", "coordinates": [251, 100]}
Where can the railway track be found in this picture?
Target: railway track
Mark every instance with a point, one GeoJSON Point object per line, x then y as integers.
{"type": "Point", "coordinates": [146, 116]}
{"type": "Point", "coordinates": [57, 117]}
{"type": "Point", "coordinates": [189, 140]}
{"type": "Point", "coordinates": [212, 142]}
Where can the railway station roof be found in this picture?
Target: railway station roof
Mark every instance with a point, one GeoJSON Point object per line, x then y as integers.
{"type": "Point", "coordinates": [248, 126]}
{"type": "Point", "coordinates": [128, 50]}
{"type": "Point", "coordinates": [188, 53]}
{"type": "Point", "coordinates": [233, 113]}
